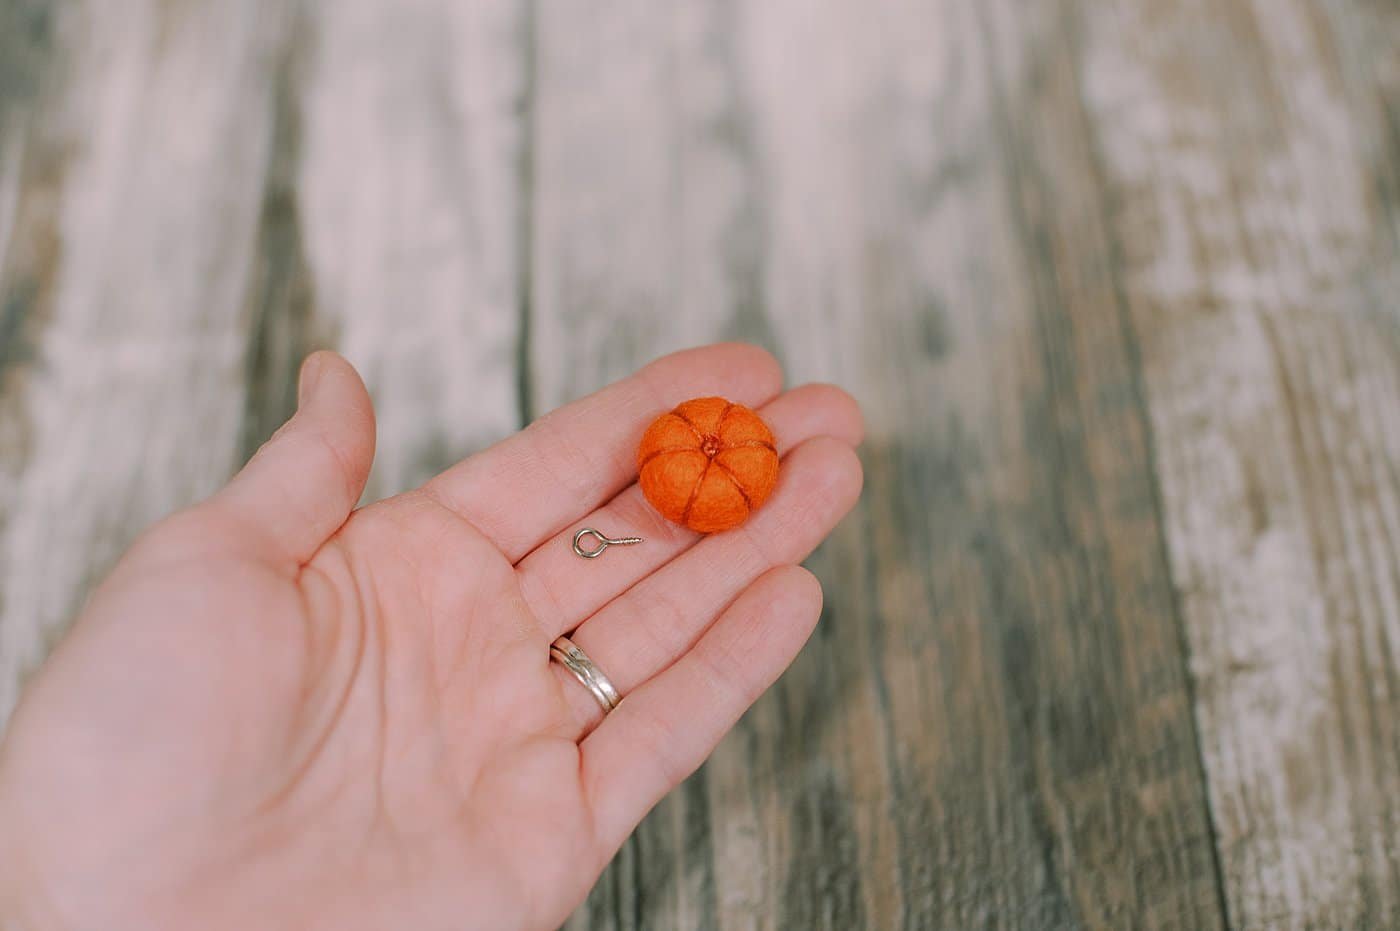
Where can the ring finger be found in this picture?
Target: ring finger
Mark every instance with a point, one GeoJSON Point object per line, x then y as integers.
{"type": "Point", "coordinates": [651, 625]}
{"type": "Point", "coordinates": [562, 590]}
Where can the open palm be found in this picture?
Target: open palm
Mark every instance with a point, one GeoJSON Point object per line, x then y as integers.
{"type": "Point", "coordinates": [279, 713]}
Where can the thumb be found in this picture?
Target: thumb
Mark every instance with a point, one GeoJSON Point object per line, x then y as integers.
{"type": "Point", "coordinates": [302, 484]}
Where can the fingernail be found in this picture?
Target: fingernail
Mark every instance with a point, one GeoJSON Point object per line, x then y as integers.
{"type": "Point", "coordinates": [311, 371]}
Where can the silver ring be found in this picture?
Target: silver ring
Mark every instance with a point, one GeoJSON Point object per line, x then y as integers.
{"type": "Point", "coordinates": [568, 654]}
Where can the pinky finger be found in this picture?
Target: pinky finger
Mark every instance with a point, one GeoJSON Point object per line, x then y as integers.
{"type": "Point", "coordinates": [665, 729]}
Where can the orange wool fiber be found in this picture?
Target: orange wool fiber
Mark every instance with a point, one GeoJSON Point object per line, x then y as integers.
{"type": "Point", "coordinates": [708, 464]}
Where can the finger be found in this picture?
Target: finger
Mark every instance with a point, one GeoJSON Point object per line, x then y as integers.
{"type": "Point", "coordinates": [663, 731]}
{"type": "Point", "coordinates": [565, 464]}
{"type": "Point", "coordinates": [562, 589]}
{"type": "Point", "coordinates": [302, 484]}
{"type": "Point", "coordinates": [661, 617]}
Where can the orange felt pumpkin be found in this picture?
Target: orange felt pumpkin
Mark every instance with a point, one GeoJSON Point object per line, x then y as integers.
{"type": "Point", "coordinates": [707, 464]}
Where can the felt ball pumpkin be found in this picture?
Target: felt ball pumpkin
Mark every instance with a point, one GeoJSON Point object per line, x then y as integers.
{"type": "Point", "coordinates": [707, 464]}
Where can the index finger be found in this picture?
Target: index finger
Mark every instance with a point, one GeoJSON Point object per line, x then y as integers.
{"type": "Point", "coordinates": [559, 468]}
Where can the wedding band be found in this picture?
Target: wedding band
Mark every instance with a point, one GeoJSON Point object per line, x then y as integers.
{"type": "Point", "coordinates": [568, 654]}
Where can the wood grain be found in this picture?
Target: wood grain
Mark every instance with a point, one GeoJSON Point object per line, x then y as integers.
{"type": "Point", "coordinates": [1110, 640]}
{"type": "Point", "coordinates": [993, 728]}
{"type": "Point", "coordinates": [130, 292]}
{"type": "Point", "coordinates": [1261, 272]}
{"type": "Point", "coordinates": [410, 136]}
{"type": "Point", "coordinates": [226, 197]}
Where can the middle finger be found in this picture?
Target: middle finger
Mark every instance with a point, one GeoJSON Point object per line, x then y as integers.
{"type": "Point", "coordinates": [562, 589]}
{"type": "Point", "coordinates": [656, 621]}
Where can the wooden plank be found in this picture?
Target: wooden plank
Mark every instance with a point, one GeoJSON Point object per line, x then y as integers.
{"type": "Point", "coordinates": [27, 252]}
{"type": "Point", "coordinates": [25, 48]}
{"type": "Point", "coordinates": [642, 238]}
{"type": "Point", "coordinates": [408, 195]}
{"type": "Point", "coordinates": [26, 61]}
{"type": "Point", "coordinates": [1252, 151]}
{"type": "Point", "coordinates": [127, 293]}
{"type": "Point", "coordinates": [1003, 228]}
{"type": "Point", "coordinates": [992, 728]}
{"type": "Point", "coordinates": [207, 193]}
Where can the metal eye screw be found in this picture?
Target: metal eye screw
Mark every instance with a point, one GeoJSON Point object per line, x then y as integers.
{"type": "Point", "coordinates": [603, 543]}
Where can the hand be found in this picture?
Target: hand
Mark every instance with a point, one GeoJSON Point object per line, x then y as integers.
{"type": "Point", "coordinates": [279, 713]}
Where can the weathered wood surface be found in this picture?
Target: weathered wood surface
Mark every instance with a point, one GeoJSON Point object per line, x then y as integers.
{"type": "Point", "coordinates": [1262, 276]}
{"type": "Point", "coordinates": [1111, 640]}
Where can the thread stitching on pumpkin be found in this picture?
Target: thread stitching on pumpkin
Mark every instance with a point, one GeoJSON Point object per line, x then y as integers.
{"type": "Point", "coordinates": [719, 424]}
{"type": "Point", "coordinates": [689, 423]}
{"type": "Point", "coordinates": [751, 444]}
{"type": "Point", "coordinates": [661, 452]}
{"type": "Point", "coordinates": [695, 492]}
{"type": "Point", "coordinates": [734, 480]}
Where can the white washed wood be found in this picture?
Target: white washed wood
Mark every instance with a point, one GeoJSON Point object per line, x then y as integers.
{"type": "Point", "coordinates": [139, 369]}
{"type": "Point", "coordinates": [635, 189]}
{"type": "Point", "coordinates": [634, 192]}
{"type": "Point", "coordinates": [860, 220]}
{"type": "Point", "coordinates": [1261, 273]}
{"type": "Point", "coordinates": [410, 202]}
{"type": "Point", "coordinates": [854, 111]}
{"type": "Point", "coordinates": [755, 170]}
{"type": "Point", "coordinates": [12, 135]}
